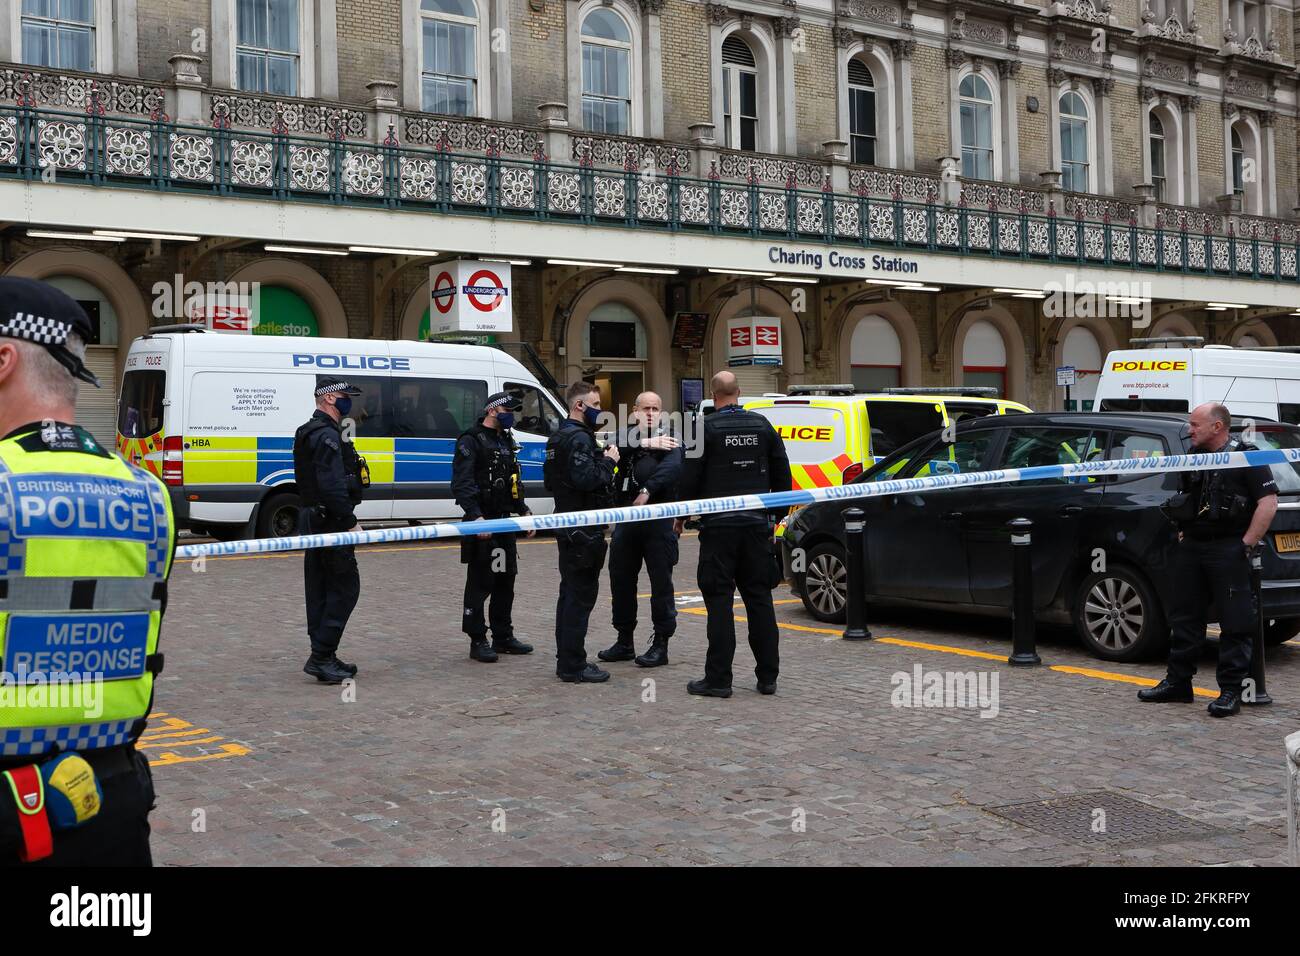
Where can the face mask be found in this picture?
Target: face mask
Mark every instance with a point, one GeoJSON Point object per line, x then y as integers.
{"type": "Point", "coordinates": [344, 404]}
{"type": "Point", "coordinates": [592, 416]}
{"type": "Point", "coordinates": [506, 419]}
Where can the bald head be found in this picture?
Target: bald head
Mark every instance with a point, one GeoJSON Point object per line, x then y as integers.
{"type": "Point", "coordinates": [647, 410]}
{"type": "Point", "coordinates": [726, 390]}
{"type": "Point", "coordinates": [1210, 424]}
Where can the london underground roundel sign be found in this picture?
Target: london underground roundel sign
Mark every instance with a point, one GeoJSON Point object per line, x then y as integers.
{"type": "Point", "coordinates": [485, 291]}
{"type": "Point", "coordinates": [444, 292]}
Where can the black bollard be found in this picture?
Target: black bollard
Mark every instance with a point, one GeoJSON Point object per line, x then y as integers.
{"type": "Point", "coordinates": [1022, 595]}
{"type": "Point", "coordinates": [1257, 650]}
{"type": "Point", "coordinates": [855, 568]}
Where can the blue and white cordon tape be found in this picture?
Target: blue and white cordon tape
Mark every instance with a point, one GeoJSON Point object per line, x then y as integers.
{"type": "Point", "coordinates": [776, 499]}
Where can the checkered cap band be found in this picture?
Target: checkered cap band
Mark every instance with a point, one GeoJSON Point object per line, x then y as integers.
{"type": "Point", "coordinates": [500, 401]}
{"type": "Point", "coordinates": [335, 387]}
{"type": "Point", "coordinates": [35, 328]}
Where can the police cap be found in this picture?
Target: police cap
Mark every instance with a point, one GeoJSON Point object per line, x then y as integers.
{"type": "Point", "coordinates": [328, 385]}
{"type": "Point", "coordinates": [38, 312]}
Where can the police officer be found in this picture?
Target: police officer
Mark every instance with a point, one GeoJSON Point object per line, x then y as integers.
{"type": "Point", "coordinates": [331, 477]}
{"type": "Point", "coordinates": [649, 467]}
{"type": "Point", "coordinates": [486, 481]}
{"type": "Point", "coordinates": [1221, 516]}
{"type": "Point", "coordinates": [740, 453]}
{"type": "Point", "coordinates": [580, 477]}
{"type": "Point", "coordinates": [88, 541]}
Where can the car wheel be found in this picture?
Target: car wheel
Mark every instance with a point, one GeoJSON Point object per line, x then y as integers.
{"type": "Point", "coordinates": [278, 516]}
{"type": "Point", "coordinates": [1279, 630]}
{"type": "Point", "coordinates": [824, 589]}
{"type": "Point", "coordinates": [1118, 617]}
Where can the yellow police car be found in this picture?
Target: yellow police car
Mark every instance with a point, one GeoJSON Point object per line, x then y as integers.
{"type": "Point", "coordinates": [833, 432]}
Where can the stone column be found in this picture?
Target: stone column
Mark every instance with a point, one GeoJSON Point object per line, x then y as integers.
{"type": "Point", "coordinates": [1268, 177]}
{"type": "Point", "coordinates": [783, 30]}
{"type": "Point", "coordinates": [1191, 159]}
{"type": "Point", "coordinates": [652, 70]}
{"type": "Point", "coordinates": [955, 59]}
{"type": "Point", "coordinates": [501, 102]}
{"type": "Point", "coordinates": [1102, 87]}
{"type": "Point", "coordinates": [383, 106]}
{"type": "Point", "coordinates": [1007, 72]}
{"type": "Point", "coordinates": [184, 95]}
{"type": "Point", "coordinates": [554, 120]}
{"type": "Point", "coordinates": [905, 149]}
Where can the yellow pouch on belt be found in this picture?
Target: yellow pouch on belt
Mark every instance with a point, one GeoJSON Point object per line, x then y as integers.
{"type": "Point", "coordinates": [72, 791]}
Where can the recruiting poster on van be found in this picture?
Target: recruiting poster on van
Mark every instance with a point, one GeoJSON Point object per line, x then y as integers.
{"type": "Point", "coordinates": [754, 340]}
{"type": "Point", "coordinates": [236, 403]}
{"type": "Point", "coordinates": [466, 295]}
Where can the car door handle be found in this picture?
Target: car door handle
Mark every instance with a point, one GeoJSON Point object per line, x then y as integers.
{"type": "Point", "coordinates": [951, 516]}
{"type": "Point", "coordinates": [1070, 511]}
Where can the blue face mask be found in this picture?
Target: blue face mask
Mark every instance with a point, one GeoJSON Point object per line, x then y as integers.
{"type": "Point", "coordinates": [592, 416]}
{"type": "Point", "coordinates": [506, 419]}
{"type": "Point", "coordinates": [344, 404]}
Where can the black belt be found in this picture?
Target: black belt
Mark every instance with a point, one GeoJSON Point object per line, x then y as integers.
{"type": "Point", "coordinates": [107, 763]}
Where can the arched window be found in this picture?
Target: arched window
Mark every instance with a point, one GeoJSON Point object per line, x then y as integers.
{"type": "Point", "coordinates": [1156, 131]}
{"type": "Point", "coordinates": [1238, 164]}
{"type": "Point", "coordinates": [1075, 149]}
{"type": "Point", "coordinates": [267, 51]}
{"type": "Point", "coordinates": [739, 94]}
{"type": "Point", "coordinates": [976, 128]}
{"type": "Point", "coordinates": [984, 358]}
{"type": "Point", "coordinates": [875, 355]}
{"type": "Point", "coordinates": [448, 57]}
{"type": "Point", "coordinates": [1082, 350]}
{"type": "Point", "coordinates": [606, 73]}
{"type": "Point", "coordinates": [59, 34]}
{"type": "Point", "coordinates": [862, 114]}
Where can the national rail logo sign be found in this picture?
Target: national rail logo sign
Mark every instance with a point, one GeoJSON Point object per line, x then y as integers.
{"type": "Point", "coordinates": [469, 296]}
{"type": "Point", "coordinates": [754, 340]}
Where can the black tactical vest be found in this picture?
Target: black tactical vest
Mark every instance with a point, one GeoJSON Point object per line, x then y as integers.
{"type": "Point", "coordinates": [496, 471]}
{"type": "Point", "coordinates": [737, 445]}
{"type": "Point", "coordinates": [560, 449]}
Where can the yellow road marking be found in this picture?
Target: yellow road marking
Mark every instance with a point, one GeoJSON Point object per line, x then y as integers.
{"type": "Point", "coordinates": [227, 750]}
{"type": "Point", "coordinates": [967, 652]}
{"type": "Point", "coordinates": [166, 732]}
{"type": "Point", "coordinates": [177, 743]}
{"type": "Point", "coordinates": [179, 733]}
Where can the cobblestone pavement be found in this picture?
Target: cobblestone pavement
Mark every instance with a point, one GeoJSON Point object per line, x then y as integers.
{"type": "Point", "coordinates": [443, 760]}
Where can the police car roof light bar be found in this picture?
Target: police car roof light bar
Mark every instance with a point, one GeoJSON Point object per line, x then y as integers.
{"type": "Point", "coordinates": [973, 391]}
{"type": "Point", "coordinates": [822, 390]}
{"type": "Point", "coordinates": [1169, 340]}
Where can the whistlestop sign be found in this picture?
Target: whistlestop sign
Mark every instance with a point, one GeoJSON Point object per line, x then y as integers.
{"type": "Point", "coordinates": [469, 296]}
{"type": "Point", "coordinates": [754, 340]}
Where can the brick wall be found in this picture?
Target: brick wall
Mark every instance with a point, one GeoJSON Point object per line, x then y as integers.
{"type": "Point", "coordinates": [538, 63]}
{"type": "Point", "coordinates": [164, 27]}
{"type": "Point", "coordinates": [930, 112]}
{"type": "Point", "coordinates": [370, 46]}
{"type": "Point", "coordinates": [1033, 127]}
{"type": "Point", "coordinates": [815, 89]}
{"type": "Point", "coordinates": [1127, 127]}
{"type": "Point", "coordinates": [687, 88]}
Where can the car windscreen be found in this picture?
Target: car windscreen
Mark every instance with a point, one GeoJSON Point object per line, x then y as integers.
{"type": "Point", "coordinates": [894, 424]}
{"type": "Point", "coordinates": [140, 411]}
{"type": "Point", "coordinates": [812, 434]}
{"type": "Point", "coordinates": [1287, 476]}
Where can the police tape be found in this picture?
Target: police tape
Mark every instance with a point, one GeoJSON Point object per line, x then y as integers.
{"type": "Point", "coordinates": [757, 502]}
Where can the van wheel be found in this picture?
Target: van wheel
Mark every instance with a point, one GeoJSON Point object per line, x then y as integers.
{"type": "Point", "coordinates": [1279, 630]}
{"type": "Point", "coordinates": [278, 516]}
{"type": "Point", "coordinates": [824, 588]}
{"type": "Point", "coordinates": [1118, 617]}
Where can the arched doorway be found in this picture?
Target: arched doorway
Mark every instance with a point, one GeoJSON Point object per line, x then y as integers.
{"type": "Point", "coordinates": [96, 407]}
{"type": "Point", "coordinates": [614, 341]}
{"type": "Point", "coordinates": [311, 292]}
{"type": "Point", "coordinates": [280, 310]}
{"type": "Point", "coordinates": [984, 358]}
{"type": "Point", "coordinates": [1082, 350]}
{"type": "Point", "coordinates": [630, 332]}
{"type": "Point", "coordinates": [758, 300]}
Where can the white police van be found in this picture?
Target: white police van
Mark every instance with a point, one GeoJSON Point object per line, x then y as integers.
{"type": "Point", "coordinates": [213, 414]}
{"type": "Point", "coordinates": [1256, 383]}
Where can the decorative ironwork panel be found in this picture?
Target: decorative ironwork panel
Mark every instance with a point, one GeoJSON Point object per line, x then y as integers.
{"type": "Point", "coordinates": [882, 222]}
{"type": "Point", "coordinates": [1094, 207]}
{"type": "Point", "coordinates": [693, 204]}
{"type": "Point", "coordinates": [61, 145]}
{"type": "Point", "coordinates": [1006, 198]}
{"type": "Point", "coordinates": [770, 169]}
{"type": "Point", "coordinates": [191, 157]}
{"type": "Point", "coordinates": [916, 226]}
{"type": "Point", "coordinates": [735, 207]}
{"type": "Point", "coordinates": [1094, 242]}
{"type": "Point", "coordinates": [610, 192]}
{"type": "Point", "coordinates": [1067, 240]}
{"type": "Point", "coordinates": [1146, 251]}
{"type": "Point", "coordinates": [652, 199]}
{"type": "Point", "coordinates": [884, 183]}
{"type": "Point", "coordinates": [1009, 235]}
{"type": "Point", "coordinates": [363, 173]}
{"type": "Point", "coordinates": [9, 140]}
{"type": "Point", "coordinates": [1040, 238]}
{"type": "Point", "coordinates": [978, 230]}
{"type": "Point", "coordinates": [1288, 262]}
{"type": "Point", "coordinates": [1244, 257]}
{"type": "Point", "coordinates": [468, 136]}
{"type": "Point", "coordinates": [1121, 249]}
{"type": "Point", "coordinates": [564, 192]}
{"type": "Point", "coordinates": [647, 156]}
{"type": "Point", "coordinates": [1219, 249]}
{"type": "Point", "coordinates": [252, 162]}
{"type": "Point", "coordinates": [847, 221]}
{"type": "Point", "coordinates": [1196, 253]}
{"type": "Point", "coordinates": [469, 183]}
{"type": "Point", "coordinates": [71, 91]}
{"type": "Point", "coordinates": [1266, 259]}
{"type": "Point", "coordinates": [309, 168]}
{"type": "Point", "coordinates": [418, 178]}
{"type": "Point", "coordinates": [772, 212]}
{"type": "Point", "coordinates": [946, 228]}
{"type": "Point", "coordinates": [811, 214]}
{"type": "Point", "coordinates": [296, 116]}
{"type": "Point", "coordinates": [518, 188]}
{"type": "Point", "coordinates": [1171, 248]}
{"type": "Point", "coordinates": [128, 151]}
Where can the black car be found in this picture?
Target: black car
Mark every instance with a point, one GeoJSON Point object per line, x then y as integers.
{"type": "Point", "coordinates": [1101, 545]}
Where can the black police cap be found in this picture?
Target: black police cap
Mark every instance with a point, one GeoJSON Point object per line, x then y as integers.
{"type": "Point", "coordinates": [328, 385]}
{"type": "Point", "coordinates": [38, 312]}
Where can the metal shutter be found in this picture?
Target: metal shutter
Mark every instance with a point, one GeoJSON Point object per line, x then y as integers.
{"type": "Point", "coordinates": [97, 407]}
{"type": "Point", "coordinates": [755, 380]}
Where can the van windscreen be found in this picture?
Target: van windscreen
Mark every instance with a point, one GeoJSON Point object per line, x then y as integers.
{"type": "Point", "coordinates": [812, 434]}
{"type": "Point", "coordinates": [1144, 405]}
{"type": "Point", "coordinates": [140, 411]}
{"type": "Point", "coordinates": [894, 424]}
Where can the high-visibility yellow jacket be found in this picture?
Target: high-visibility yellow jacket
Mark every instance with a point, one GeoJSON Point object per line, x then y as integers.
{"type": "Point", "coordinates": [86, 545]}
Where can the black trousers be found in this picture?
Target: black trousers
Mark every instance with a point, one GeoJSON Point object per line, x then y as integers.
{"type": "Point", "coordinates": [653, 543]}
{"type": "Point", "coordinates": [117, 836]}
{"type": "Point", "coordinates": [1216, 569]}
{"type": "Point", "coordinates": [731, 559]}
{"type": "Point", "coordinates": [582, 556]}
{"type": "Point", "coordinates": [332, 586]}
{"type": "Point", "coordinates": [491, 566]}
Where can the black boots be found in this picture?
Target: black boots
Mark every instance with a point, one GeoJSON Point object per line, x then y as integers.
{"type": "Point", "coordinates": [620, 650]}
{"type": "Point", "coordinates": [328, 670]}
{"type": "Point", "coordinates": [510, 645]}
{"type": "Point", "coordinates": [1226, 704]}
{"type": "Point", "coordinates": [591, 674]}
{"type": "Point", "coordinates": [656, 654]}
{"type": "Point", "coordinates": [702, 688]}
{"type": "Point", "coordinates": [1167, 693]}
{"type": "Point", "coordinates": [481, 650]}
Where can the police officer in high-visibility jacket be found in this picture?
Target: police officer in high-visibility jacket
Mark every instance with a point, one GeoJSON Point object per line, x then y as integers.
{"type": "Point", "coordinates": [740, 454]}
{"type": "Point", "coordinates": [331, 478]}
{"type": "Point", "coordinates": [86, 544]}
